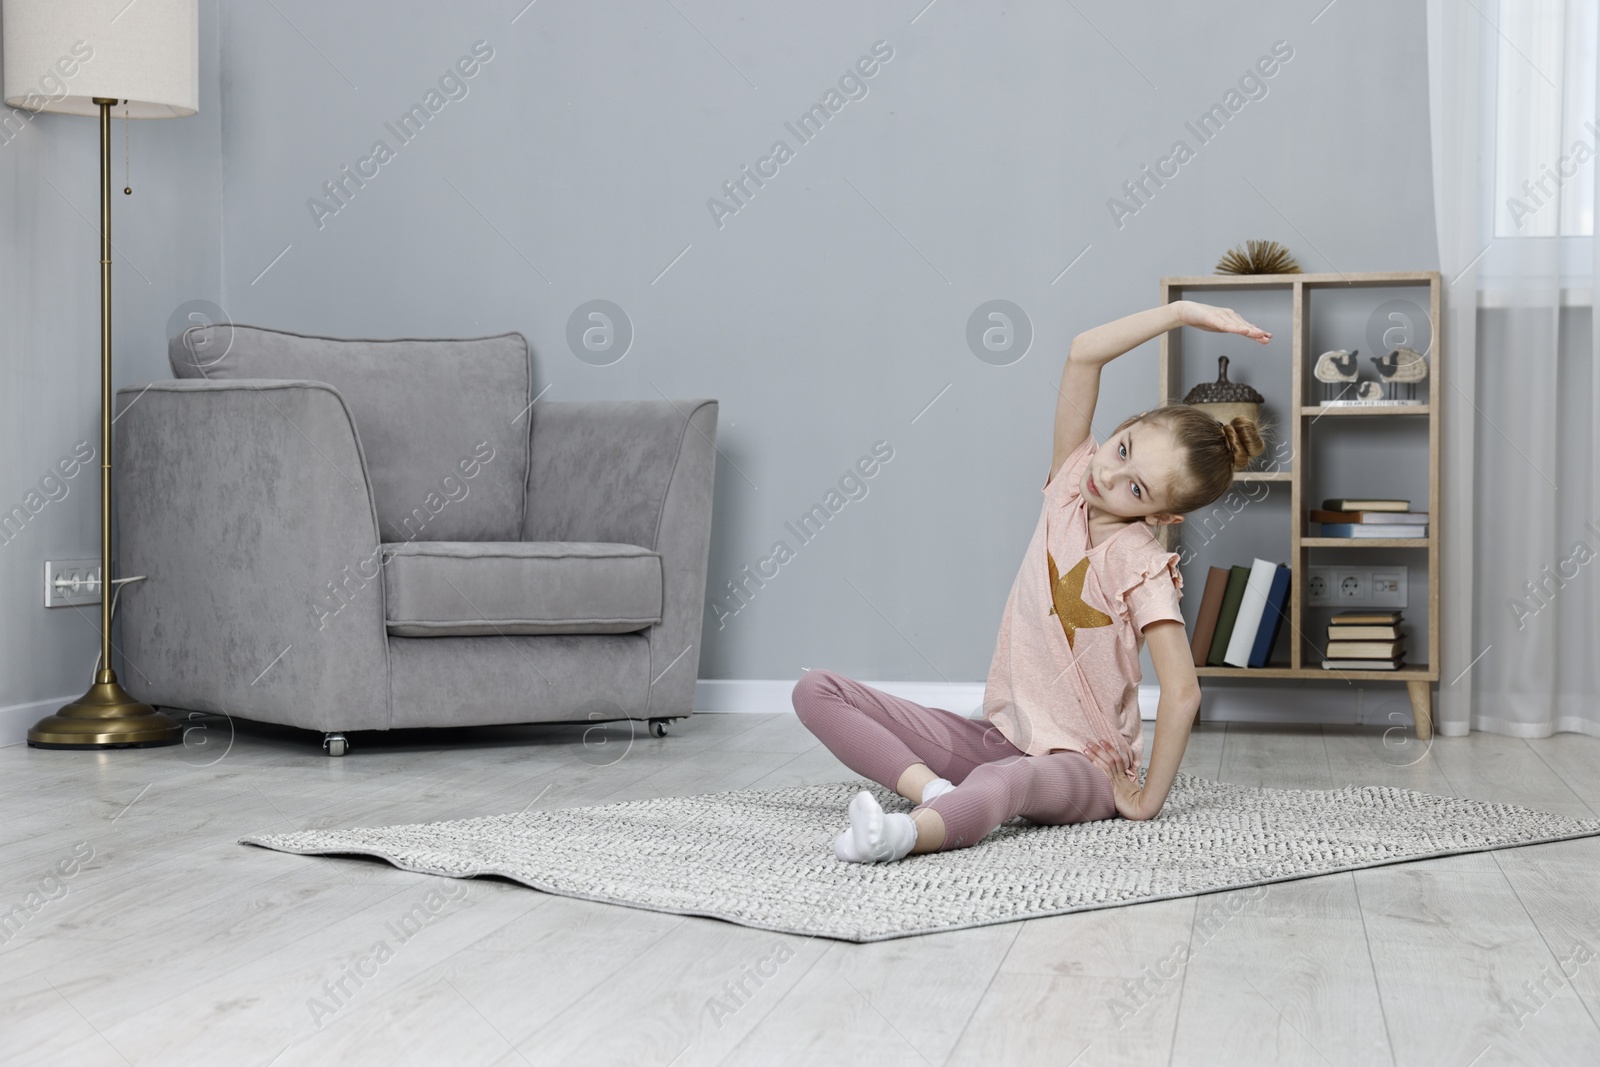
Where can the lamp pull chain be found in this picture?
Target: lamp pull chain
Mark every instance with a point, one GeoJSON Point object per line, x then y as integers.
{"type": "Point", "coordinates": [127, 175]}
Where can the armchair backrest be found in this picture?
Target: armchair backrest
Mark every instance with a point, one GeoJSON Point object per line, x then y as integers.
{"type": "Point", "coordinates": [443, 423]}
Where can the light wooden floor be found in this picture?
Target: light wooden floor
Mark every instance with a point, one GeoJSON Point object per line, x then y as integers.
{"type": "Point", "coordinates": [175, 945]}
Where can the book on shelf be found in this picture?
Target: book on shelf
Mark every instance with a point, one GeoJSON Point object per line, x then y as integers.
{"type": "Point", "coordinates": [1364, 633]}
{"type": "Point", "coordinates": [1418, 518]}
{"type": "Point", "coordinates": [1364, 649]}
{"type": "Point", "coordinates": [1251, 605]}
{"type": "Point", "coordinates": [1372, 529]}
{"type": "Point", "coordinates": [1365, 641]}
{"type": "Point", "coordinates": [1243, 636]}
{"type": "Point", "coordinates": [1205, 620]}
{"type": "Point", "coordinates": [1363, 664]}
{"type": "Point", "coordinates": [1366, 618]}
{"type": "Point", "coordinates": [1232, 595]}
{"type": "Point", "coordinates": [1238, 627]}
{"type": "Point", "coordinates": [1350, 503]}
{"type": "Point", "coordinates": [1272, 616]}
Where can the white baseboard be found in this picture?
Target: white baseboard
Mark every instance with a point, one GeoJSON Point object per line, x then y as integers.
{"type": "Point", "coordinates": [17, 719]}
{"type": "Point", "coordinates": [765, 697]}
{"type": "Point", "coordinates": [1386, 705]}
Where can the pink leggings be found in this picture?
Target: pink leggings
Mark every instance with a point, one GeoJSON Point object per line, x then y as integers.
{"type": "Point", "coordinates": [878, 735]}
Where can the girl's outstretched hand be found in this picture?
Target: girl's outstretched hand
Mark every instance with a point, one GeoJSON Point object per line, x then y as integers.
{"type": "Point", "coordinates": [1219, 320]}
{"type": "Point", "coordinates": [1129, 794]}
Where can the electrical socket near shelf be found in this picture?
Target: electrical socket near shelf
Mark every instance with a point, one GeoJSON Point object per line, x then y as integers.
{"type": "Point", "coordinates": [1388, 588]}
{"type": "Point", "coordinates": [1379, 587]}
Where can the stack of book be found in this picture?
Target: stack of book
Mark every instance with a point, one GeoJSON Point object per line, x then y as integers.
{"type": "Point", "coordinates": [1241, 612]}
{"type": "Point", "coordinates": [1351, 517]}
{"type": "Point", "coordinates": [1365, 641]}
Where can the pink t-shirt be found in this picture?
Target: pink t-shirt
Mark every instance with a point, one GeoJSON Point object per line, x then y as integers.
{"type": "Point", "coordinates": [1066, 663]}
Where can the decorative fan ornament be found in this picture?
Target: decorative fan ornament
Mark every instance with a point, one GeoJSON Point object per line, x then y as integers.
{"type": "Point", "coordinates": [1258, 257]}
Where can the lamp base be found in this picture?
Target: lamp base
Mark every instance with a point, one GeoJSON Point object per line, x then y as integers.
{"type": "Point", "coordinates": [105, 717]}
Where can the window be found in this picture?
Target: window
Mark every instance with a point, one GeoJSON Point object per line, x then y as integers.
{"type": "Point", "coordinates": [1541, 140]}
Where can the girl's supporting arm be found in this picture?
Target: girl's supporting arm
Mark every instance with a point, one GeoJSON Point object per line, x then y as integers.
{"type": "Point", "coordinates": [1180, 702]}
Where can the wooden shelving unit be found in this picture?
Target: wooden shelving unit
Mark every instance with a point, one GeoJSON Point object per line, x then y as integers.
{"type": "Point", "coordinates": [1418, 677]}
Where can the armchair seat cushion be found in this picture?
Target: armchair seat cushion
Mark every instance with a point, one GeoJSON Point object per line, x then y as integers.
{"type": "Point", "coordinates": [456, 588]}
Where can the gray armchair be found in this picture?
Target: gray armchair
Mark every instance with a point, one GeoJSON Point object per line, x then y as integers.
{"type": "Point", "coordinates": [363, 535]}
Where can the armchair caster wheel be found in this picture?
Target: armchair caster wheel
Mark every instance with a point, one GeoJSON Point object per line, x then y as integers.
{"type": "Point", "coordinates": [658, 727]}
{"type": "Point", "coordinates": [335, 744]}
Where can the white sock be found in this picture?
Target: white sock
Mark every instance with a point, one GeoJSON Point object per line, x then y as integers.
{"type": "Point", "coordinates": [874, 836]}
{"type": "Point", "coordinates": [935, 787]}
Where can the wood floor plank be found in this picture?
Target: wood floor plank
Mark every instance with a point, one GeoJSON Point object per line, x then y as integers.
{"type": "Point", "coordinates": [682, 996]}
{"type": "Point", "coordinates": [1056, 1020]}
{"type": "Point", "coordinates": [92, 1051]}
{"type": "Point", "coordinates": [776, 733]}
{"type": "Point", "coordinates": [1507, 770]}
{"type": "Point", "coordinates": [1451, 952]}
{"type": "Point", "coordinates": [1555, 885]}
{"type": "Point", "coordinates": [1384, 756]}
{"type": "Point", "coordinates": [1572, 757]}
{"type": "Point", "coordinates": [817, 766]}
{"type": "Point", "coordinates": [1202, 756]}
{"type": "Point", "coordinates": [1275, 757]}
{"type": "Point", "coordinates": [526, 974]}
{"type": "Point", "coordinates": [708, 771]}
{"type": "Point", "coordinates": [909, 1003]}
{"type": "Point", "coordinates": [1280, 991]}
{"type": "Point", "coordinates": [285, 994]}
{"type": "Point", "coordinates": [155, 963]}
{"type": "Point", "coordinates": [1111, 943]}
{"type": "Point", "coordinates": [423, 1022]}
{"type": "Point", "coordinates": [38, 1026]}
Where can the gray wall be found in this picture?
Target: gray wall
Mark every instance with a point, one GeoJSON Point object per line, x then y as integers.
{"type": "Point", "coordinates": [831, 309]}
{"type": "Point", "coordinates": [167, 237]}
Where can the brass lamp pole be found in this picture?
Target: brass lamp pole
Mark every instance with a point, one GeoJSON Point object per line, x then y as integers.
{"type": "Point", "coordinates": [106, 716]}
{"type": "Point", "coordinates": [84, 57]}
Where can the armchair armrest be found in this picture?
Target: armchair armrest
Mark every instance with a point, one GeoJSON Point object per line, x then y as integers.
{"type": "Point", "coordinates": [247, 504]}
{"type": "Point", "coordinates": [637, 472]}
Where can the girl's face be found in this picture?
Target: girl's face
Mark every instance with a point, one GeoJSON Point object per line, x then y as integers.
{"type": "Point", "coordinates": [1130, 475]}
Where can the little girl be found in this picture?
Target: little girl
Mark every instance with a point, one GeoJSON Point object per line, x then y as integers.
{"type": "Point", "coordinates": [1060, 740]}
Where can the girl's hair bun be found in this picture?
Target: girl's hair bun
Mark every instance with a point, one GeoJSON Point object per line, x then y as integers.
{"type": "Point", "coordinates": [1243, 439]}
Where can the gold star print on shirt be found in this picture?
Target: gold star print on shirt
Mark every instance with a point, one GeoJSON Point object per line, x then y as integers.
{"type": "Point", "coordinates": [1066, 592]}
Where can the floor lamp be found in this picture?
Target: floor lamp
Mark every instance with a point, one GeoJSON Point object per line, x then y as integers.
{"type": "Point", "coordinates": [81, 57]}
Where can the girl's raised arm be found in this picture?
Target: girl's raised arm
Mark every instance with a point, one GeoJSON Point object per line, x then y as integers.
{"type": "Point", "coordinates": [1093, 349]}
{"type": "Point", "coordinates": [1080, 378]}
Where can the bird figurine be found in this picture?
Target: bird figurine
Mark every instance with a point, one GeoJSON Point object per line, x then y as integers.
{"type": "Point", "coordinates": [1338, 365]}
{"type": "Point", "coordinates": [1403, 366]}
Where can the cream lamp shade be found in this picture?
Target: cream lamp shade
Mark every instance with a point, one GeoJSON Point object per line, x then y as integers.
{"type": "Point", "coordinates": [61, 54]}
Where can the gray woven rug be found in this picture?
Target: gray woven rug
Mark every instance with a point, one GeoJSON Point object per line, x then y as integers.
{"type": "Point", "coordinates": [764, 857]}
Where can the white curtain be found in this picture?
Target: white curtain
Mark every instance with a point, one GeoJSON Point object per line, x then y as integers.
{"type": "Point", "coordinates": [1516, 157]}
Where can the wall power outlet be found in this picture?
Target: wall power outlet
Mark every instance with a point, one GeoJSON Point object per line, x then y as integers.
{"type": "Point", "coordinates": [69, 582]}
{"type": "Point", "coordinates": [1357, 587]}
